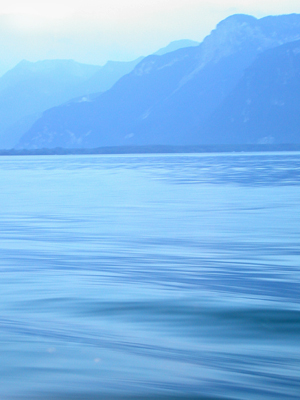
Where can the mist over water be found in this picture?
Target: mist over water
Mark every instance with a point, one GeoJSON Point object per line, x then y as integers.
{"type": "Point", "coordinates": [158, 276]}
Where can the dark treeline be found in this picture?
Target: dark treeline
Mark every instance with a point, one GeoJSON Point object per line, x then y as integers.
{"type": "Point", "coordinates": [155, 149]}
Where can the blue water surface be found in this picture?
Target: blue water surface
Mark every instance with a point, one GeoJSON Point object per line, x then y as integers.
{"type": "Point", "coordinates": [150, 276]}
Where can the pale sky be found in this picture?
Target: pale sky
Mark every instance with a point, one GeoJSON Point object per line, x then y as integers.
{"type": "Point", "coordinates": [94, 31]}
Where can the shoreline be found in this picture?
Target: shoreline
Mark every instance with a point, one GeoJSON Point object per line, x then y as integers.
{"type": "Point", "coordinates": [154, 149]}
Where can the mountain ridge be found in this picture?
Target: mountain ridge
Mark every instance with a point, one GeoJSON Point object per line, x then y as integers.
{"type": "Point", "coordinates": [31, 88]}
{"type": "Point", "coordinates": [166, 99]}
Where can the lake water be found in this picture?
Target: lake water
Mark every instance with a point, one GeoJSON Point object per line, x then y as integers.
{"type": "Point", "coordinates": [150, 276]}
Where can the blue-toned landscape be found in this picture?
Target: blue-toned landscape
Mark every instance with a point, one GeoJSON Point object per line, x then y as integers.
{"type": "Point", "coordinates": [239, 86]}
{"type": "Point", "coordinates": [150, 200]}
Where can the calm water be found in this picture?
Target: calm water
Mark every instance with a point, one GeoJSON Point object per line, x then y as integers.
{"type": "Point", "coordinates": [150, 277]}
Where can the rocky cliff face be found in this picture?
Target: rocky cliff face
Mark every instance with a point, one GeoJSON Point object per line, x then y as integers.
{"type": "Point", "coordinates": [167, 99]}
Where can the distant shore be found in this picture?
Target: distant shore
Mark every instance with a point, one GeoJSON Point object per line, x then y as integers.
{"type": "Point", "coordinates": [155, 149]}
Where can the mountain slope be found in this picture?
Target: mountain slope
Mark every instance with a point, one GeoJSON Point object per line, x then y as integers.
{"type": "Point", "coordinates": [166, 99]}
{"type": "Point", "coordinates": [265, 105]}
{"type": "Point", "coordinates": [30, 88]}
{"type": "Point", "coordinates": [107, 76]}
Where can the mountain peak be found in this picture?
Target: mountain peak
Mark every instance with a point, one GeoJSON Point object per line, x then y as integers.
{"type": "Point", "coordinates": [237, 19]}
{"type": "Point", "coordinates": [232, 34]}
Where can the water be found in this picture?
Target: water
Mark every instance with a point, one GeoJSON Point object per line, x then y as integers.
{"type": "Point", "coordinates": [140, 277]}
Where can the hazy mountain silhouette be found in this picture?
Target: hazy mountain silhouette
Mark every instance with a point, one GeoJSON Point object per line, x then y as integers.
{"type": "Point", "coordinates": [168, 99]}
{"type": "Point", "coordinates": [107, 76]}
{"type": "Point", "coordinates": [176, 45]}
{"type": "Point", "coordinates": [31, 88]}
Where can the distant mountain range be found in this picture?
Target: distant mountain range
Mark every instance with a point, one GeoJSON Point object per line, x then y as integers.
{"type": "Point", "coordinates": [240, 85]}
{"type": "Point", "coordinates": [33, 87]}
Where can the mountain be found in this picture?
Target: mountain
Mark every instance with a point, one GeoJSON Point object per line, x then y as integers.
{"type": "Point", "coordinates": [107, 76]}
{"type": "Point", "coordinates": [167, 99]}
{"type": "Point", "coordinates": [30, 88]}
{"type": "Point", "coordinates": [265, 105]}
{"type": "Point", "coordinates": [176, 45]}
{"type": "Point", "coordinates": [112, 71]}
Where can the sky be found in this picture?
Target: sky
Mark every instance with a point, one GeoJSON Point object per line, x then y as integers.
{"type": "Point", "coordinates": [94, 31]}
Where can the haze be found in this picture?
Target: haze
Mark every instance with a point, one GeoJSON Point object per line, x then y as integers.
{"type": "Point", "coordinates": [94, 32]}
